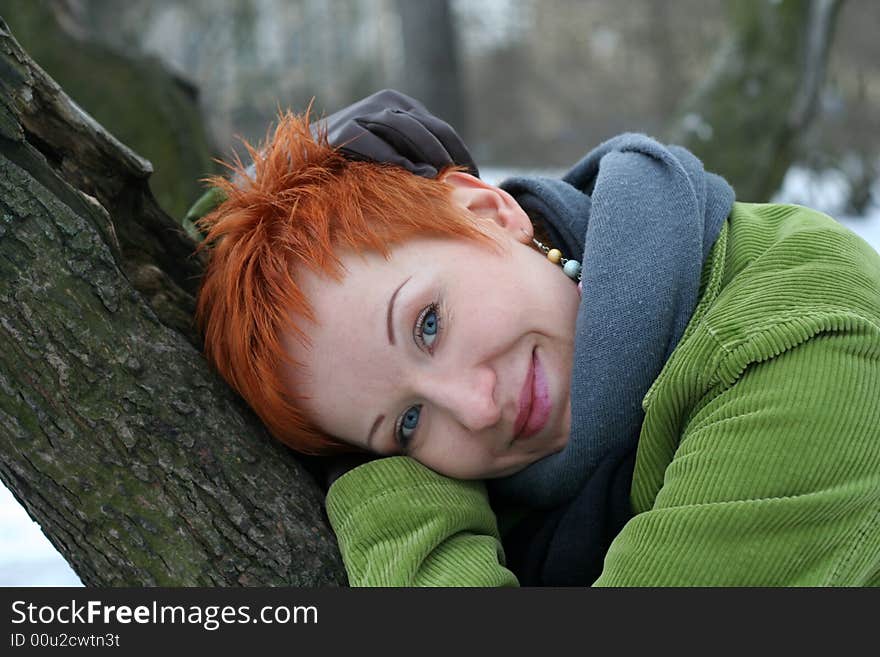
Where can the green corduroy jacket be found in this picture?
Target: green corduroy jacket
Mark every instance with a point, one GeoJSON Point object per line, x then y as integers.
{"type": "Point", "coordinates": [758, 462]}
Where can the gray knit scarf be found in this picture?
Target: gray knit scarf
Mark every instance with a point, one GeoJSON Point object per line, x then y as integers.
{"type": "Point", "coordinates": [644, 218]}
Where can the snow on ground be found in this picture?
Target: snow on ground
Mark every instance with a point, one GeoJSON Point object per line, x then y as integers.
{"type": "Point", "coordinates": [28, 559]}
{"type": "Point", "coordinates": [827, 191]}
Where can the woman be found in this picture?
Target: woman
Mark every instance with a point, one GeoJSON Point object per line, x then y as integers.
{"type": "Point", "coordinates": [698, 404]}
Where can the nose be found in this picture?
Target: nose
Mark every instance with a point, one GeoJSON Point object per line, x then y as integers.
{"type": "Point", "coordinates": [469, 396]}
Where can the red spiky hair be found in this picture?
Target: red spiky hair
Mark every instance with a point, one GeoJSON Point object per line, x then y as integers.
{"type": "Point", "coordinates": [304, 204]}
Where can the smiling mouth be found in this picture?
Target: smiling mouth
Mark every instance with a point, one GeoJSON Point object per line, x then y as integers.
{"type": "Point", "coordinates": [534, 402]}
{"type": "Point", "coordinates": [526, 397]}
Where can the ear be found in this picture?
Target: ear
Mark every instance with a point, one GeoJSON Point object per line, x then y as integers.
{"type": "Point", "coordinates": [491, 202]}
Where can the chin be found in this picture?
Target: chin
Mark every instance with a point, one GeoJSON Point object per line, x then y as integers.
{"type": "Point", "coordinates": [561, 444]}
{"type": "Point", "coordinates": [513, 469]}
{"type": "Point", "coordinates": [506, 472]}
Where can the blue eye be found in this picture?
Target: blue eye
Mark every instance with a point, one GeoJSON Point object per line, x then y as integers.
{"type": "Point", "coordinates": [425, 333]}
{"type": "Point", "coordinates": [406, 425]}
{"type": "Point", "coordinates": [427, 327]}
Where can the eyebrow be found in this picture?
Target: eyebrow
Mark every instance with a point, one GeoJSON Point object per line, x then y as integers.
{"type": "Point", "coordinates": [390, 324]}
{"type": "Point", "coordinates": [389, 319]}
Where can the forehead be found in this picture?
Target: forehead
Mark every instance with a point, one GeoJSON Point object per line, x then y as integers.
{"type": "Point", "coordinates": [348, 339]}
{"type": "Point", "coordinates": [370, 277]}
{"type": "Point", "coordinates": [368, 280]}
{"type": "Point", "coordinates": [347, 365]}
{"type": "Point", "coordinates": [337, 304]}
{"type": "Point", "coordinates": [361, 273]}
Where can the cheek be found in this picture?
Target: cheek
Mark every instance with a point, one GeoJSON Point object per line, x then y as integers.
{"type": "Point", "coordinates": [446, 451]}
{"type": "Point", "coordinates": [459, 456]}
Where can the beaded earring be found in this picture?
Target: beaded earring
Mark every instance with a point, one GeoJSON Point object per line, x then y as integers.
{"type": "Point", "coordinates": [572, 268]}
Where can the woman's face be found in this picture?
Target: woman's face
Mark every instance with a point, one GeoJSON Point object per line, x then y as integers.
{"type": "Point", "coordinates": [449, 352]}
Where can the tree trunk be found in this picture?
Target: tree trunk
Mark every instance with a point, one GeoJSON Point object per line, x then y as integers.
{"type": "Point", "coordinates": [432, 71]}
{"type": "Point", "coordinates": [141, 466]}
{"type": "Point", "coordinates": [760, 93]}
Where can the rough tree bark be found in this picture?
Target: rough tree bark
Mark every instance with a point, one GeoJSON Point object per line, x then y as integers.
{"type": "Point", "coordinates": [147, 106]}
{"type": "Point", "coordinates": [761, 92]}
{"type": "Point", "coordinates": [140, 465]}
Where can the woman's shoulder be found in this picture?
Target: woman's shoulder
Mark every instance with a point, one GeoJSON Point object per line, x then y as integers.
{"type": "Point", "coordinates": [790, 297]}
{"type": "Point", "coordinates": [788, 268]}
{"type": "Point", "coordinates": [776, 236]}
{"type": "Point", "coordinates": [776, 276]}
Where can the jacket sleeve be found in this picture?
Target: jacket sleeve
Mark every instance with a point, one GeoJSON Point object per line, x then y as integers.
{"type": "Point", "coordinates": [399, 523]}
{"type": "Point", "coordinates": [775, 481]}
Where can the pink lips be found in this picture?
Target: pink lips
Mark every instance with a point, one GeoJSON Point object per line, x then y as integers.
{"type": "Point", "coordinates": [534, 402]}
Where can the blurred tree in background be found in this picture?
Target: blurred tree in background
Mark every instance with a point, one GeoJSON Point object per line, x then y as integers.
{"type": "Point", "coordinates": [431, 67]}
{"type": "Point", "coordinates": [133, 95]}
{"type": "Point", "coordinates": [746, 118]}
{"type": "Point", "coordinates": [536, 83]}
